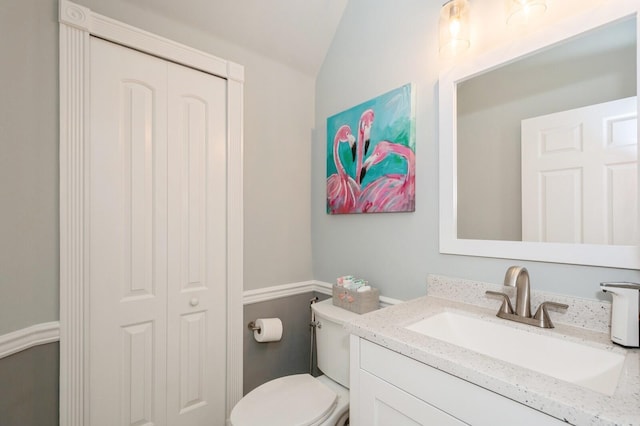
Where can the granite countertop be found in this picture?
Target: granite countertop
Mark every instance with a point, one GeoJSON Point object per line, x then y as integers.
{"type": "Point", "coordinates": [564, 400]}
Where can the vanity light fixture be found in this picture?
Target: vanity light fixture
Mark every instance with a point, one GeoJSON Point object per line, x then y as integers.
{"type": "Point", "coordinates": [454, 28]}
{"type": "Point", "coordinates": [521, 12]}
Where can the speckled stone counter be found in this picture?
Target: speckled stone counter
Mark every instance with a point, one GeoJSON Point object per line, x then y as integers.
{"type": "Point", "coordinates": [585, 322]}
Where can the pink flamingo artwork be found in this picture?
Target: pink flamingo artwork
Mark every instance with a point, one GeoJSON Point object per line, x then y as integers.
{"type": "Point", "coordinates": [364, 138]}
{"type": "Point", "coordinates": [342, 189]}
{"type": "Point", "coordinates": [390, 192]}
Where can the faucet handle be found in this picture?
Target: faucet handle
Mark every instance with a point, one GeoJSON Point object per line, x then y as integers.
{"type": "Point", "coordinates": [506, 303]}
{"type": "Point", "coordinates": [542, 316]}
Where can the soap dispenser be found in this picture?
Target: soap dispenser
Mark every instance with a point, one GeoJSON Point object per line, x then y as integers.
{"type": "Point", "coordinates": [625, 312]}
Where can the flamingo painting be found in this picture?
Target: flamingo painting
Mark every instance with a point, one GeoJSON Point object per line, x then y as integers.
{"type": "Point", "coordinates": [342, 189]}
{"type": "Point", "coordinates": [364, 139]}
{"type": "Point", "coordinates": [393, 192]}
{"type": "Point", "coordinates": [372, 170]}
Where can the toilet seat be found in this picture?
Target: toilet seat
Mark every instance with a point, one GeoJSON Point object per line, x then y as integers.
{"type": "Point", "coordinates": [298, 400]}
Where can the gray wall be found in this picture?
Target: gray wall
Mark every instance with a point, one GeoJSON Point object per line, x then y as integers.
{"type": "Point", "coordinates": [396, 252]}
{"type": "Point", "coordinates": [267, 361]}
{"type": "Point", "coordinates": [28, 163]}
{"type": "Point", "coordinates": [29, 387]}
{"type": "Point", "coordinates": [29, 214]}
{"type": "Point", "coordinates": [491, 107]}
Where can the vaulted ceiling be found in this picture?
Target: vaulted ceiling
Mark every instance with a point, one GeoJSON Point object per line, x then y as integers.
{"type": "Point", "coordinates": [297, 33]}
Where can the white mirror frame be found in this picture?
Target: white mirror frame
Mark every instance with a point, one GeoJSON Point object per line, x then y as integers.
{"type": "Point", "coordinates": [627, 257]}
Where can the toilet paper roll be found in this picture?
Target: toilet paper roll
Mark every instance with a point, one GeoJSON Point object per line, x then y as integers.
{"type": "Point", "coordinates": [270, 330]}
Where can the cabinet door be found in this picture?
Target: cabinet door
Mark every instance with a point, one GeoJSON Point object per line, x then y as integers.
{"type": "Point", "coordinates": [465, 402]}
{"type": "Point", "coordinates": [389, 405]}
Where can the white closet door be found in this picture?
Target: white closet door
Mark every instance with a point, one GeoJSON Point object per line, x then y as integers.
{"type": "Point", "coordinates": [197, 248]}
{"type": "Point", "coordinates": [579, 175]}
{"type": "Point", "coordinates": [157, 218]}
{"type": "Point", "coordinates": [128, 237]}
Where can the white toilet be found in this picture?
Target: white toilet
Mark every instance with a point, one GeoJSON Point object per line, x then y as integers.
{"type": "Point", "coordinates": [301, 399]}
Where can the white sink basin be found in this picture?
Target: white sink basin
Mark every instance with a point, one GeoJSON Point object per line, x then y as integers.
{"type": "Point", "coordinates": [594, 368]}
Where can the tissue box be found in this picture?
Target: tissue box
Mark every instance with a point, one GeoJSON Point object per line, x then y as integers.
{"type": "Point", "coordinates": [360, 303]}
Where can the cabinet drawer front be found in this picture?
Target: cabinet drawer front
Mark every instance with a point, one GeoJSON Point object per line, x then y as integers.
{"type": "Point", "coordinates": [389, 405]}
{"type": "Point", "coordinates": [470, 403]}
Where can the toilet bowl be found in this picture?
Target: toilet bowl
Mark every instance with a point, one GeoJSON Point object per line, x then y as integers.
{"type": "Point", "coordinates": [301, 399]}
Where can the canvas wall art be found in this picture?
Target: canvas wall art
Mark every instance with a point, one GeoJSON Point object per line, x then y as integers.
{"type": "Point", "coordinates": [371, 156]}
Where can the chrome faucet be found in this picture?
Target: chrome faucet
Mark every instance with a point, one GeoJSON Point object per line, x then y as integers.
{"type": "Point", "coordinates": [518, 277]}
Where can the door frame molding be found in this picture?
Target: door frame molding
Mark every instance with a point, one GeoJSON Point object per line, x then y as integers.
{"type": "Point", "coordinates": [77, 25]}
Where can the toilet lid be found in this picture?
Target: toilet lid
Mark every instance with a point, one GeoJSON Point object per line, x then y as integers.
{"type": "Point", "coordinates": [298, 400]}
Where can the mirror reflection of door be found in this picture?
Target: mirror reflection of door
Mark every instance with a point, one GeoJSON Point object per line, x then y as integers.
{"type": "Point", "coordinates": [595, 67]}
{"type": "Point", "coordinates": [576, 158]}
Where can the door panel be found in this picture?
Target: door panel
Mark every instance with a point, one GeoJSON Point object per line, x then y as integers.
{"type": "Point", "coordinates": [561, 205]}
{"type": "Point", "coordinates": [193, 328]}
{"type": "Point", "coordinates": [622, 203]}
{"type": "Point", "coordinates": [197, 248]}
{"type": "Point", "coordinates": [127, 244]}
{"type": "Point", "coordinates": [137, 374]}
{"type": "Point", "coordinates": [137, 103]}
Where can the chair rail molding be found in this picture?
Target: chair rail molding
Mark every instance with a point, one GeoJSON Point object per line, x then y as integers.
{"type": "Point", "coordinates": [28, 337]}
{"type": "Point", "coordinates": [77, 25]}
{"type": "Point", "coordinates": [278, 291]}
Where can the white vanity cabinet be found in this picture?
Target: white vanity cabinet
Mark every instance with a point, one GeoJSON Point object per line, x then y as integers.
{"type": "Point", "coordinates": [388, 388]}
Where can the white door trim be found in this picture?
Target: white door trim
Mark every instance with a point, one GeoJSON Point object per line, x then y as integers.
{"type": "Point", "coordinates": [77, 24]}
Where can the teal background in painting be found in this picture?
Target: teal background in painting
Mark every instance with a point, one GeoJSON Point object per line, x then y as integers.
{"type": "Point", "coordinates": [393, 122]}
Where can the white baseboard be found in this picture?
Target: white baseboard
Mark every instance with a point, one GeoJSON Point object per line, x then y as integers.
{"type": "Point", "coordinates": [278, 291]}
{"type": "Point", "coordinates": [28, 337]}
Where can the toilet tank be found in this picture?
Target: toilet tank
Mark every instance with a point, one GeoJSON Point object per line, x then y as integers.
{"type": "Point", "coordinates": [332, 340]}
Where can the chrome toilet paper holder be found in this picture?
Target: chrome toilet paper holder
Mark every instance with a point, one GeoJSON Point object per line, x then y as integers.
{"type": "Point", "coordinates": [266, 329]}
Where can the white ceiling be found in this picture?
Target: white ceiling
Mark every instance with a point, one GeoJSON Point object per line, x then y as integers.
{"type": "Point", "coordinates": [297, 33]}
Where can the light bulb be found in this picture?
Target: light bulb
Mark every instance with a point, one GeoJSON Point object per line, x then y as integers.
{"type": "Point", "coordinates": [454, 27]}
{"type": "Point", "coordinates": [521, 12]}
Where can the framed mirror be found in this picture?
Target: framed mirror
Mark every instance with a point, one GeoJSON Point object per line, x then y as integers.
{"type": "Point", "coordinates": [538, 146]}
